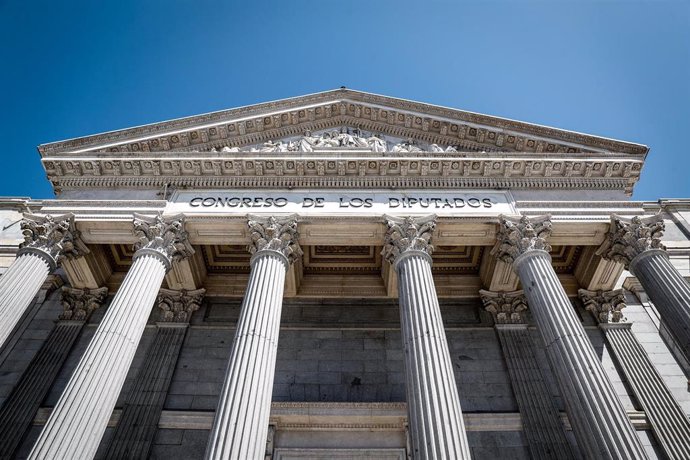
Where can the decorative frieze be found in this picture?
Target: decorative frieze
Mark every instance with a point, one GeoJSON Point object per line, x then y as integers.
{"type": "Point", "coordinates": [505, 307]}
{"type": "Point", "coordinates": [274, 234]}
{"type": "Point", "coordinates": [78, 304]}
{"type": "Point", "coordinates": [517, 236]}
{"type": "Point", "coordinates": [178, 306]}
{"type": "Point", "coordinates": [164, 237]}
{"type": "Point", "coordinates": [628, 238]}
{"type": "Point", "coordinates": [606, 306]}
{"type": "Point", "coordinates": [408, 234]}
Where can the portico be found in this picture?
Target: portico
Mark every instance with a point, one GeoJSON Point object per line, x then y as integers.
{"type": "Point", "coordinates": [362, 266]}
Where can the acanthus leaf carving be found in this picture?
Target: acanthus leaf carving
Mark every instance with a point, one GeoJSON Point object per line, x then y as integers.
{"type": "Point", "coordinates": [505, 307]}
{"type": "Point", "coordinates": [278, 234]}
{"type": "Point", "coordinates": [54, 236]}
{"type": "Point", "coordinates": [78, 304]}
{"type": "Point", "coordinates": [178, 306]}
{"type": "Point", "coordinates": [517, 236]}
{"type": "Point", "coordinates": [407, 234]}
{"type": "Point", "coordinates": [605, 306]}
{"type": "Point", "coordinates": [628, 238]}
{"type": "Point", "coordinates": [163, 236]}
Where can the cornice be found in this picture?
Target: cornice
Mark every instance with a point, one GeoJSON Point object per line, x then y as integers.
{"type": "Point", "coordinates": [363, 171]}
{"type": "Point", "coordinates": [397, 117]}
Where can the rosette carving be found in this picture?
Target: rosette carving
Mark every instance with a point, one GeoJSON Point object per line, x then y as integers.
{"type": "Point", "coordinates": [505, 307]}
{"type": "Point", "coordinates": [178, 306]}
{"type": "Point", "coordinates": [54, 236]}
{"type": "Point", "coordinates": [277, 234]}
{"type": "Point", "coordinates": [606, 306]}
{"type": "Point", "coordinates": [162, 236]}
{"type": "Point", "coordinates": [78, 304]}
{"type": "Point", "coordinates": [408, 234]}
{"type": "Point", "coordinates": [518, 236]}
{"type": "Point", "coordinates": [628, 238]}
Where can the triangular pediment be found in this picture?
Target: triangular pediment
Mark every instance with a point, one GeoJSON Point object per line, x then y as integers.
{"type": "Point", "coordinates": [395, 122]}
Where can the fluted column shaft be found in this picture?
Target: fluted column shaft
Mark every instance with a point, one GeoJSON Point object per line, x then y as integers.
{"type": "Point", "coordinates": [669, 292]}
{"type": "Point", "coordinates": [600, 423]}
{"type": "Point", "coordinates": [79, 419]}
{"type": "Point", "coordinates": [18, 286]}
{"type": "Point", "coordinates": [240, 426]}
{"type": "Point", "coordinates": [669, 422]}
{"type": "Point", "coordinates": [435, 419]}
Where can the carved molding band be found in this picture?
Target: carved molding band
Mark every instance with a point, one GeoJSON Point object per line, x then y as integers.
{"type": "Point", "coordinates": [277, 234]}
{"type": "Point", "coordinates": [518, 236]}
{"type": "Point", "coordinates": [606, 306]}
{"type": "Point", "coordinates": [178, 306]}
{"type": "Point", "coordinates": [628, 238]}
{"type": "Point", "coordinates": [505, 307]}
{"type": "Point", "coordinates": [55, 237]}
{"type": "Point", "coordinates": [407, 234]}
{"type": "Point", "coordinates": [164, 237]}
{"type": "Point", "coordinates": [78, 304]}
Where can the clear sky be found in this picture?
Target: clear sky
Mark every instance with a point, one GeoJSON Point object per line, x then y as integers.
{"type": "Point", "coordinates": [618, 69]}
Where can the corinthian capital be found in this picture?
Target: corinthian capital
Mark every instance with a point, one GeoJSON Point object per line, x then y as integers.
{"type": "Point", "coordinates": [178, 306]}
{"type": "Point", "coordinates": [606, 306]}
{"type": "Point", "coordinates": [505, 307]}
{"type": "Point", "coordinates": [628, 238]}
{"type": "Point", "coordinates": [164, 237]}
{"type": "Point", "coordinates": [407, 234]}
{"type": "Point", "coordinates": [278, 234]}
{"type": "Point", "coordinates": [54, 237]}
{"type": "Point", "coordinates": [518, 236]}
{"type": "Point", "coordinates": [78, 304]}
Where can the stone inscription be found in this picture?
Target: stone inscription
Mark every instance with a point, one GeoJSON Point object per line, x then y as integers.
{"type": "Point", "coordinates": [308, 202]}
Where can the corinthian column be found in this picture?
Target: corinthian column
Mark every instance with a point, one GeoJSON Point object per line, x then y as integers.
{"type": "Point", "coordinates": [540, 418]}
{"type": "Point", "coordinates": [240, 427]}
{"type": "Point", "coordinates": [21, 406]}
{"type": "Point", "coordinates": [636, 243]}
{"type": "Point", "coordinates": [434, 415]}
{"type": "Point", "coordinates": [670, 424]}
{"type": "Point", "coordinates": [77, 423]}
{"type": "Point", "coordinates": [599, 421]}
{"type": "Point", "coordinates": [47, 239]}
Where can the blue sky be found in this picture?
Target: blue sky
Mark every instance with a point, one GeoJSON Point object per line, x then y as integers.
{"type": "Point", "coordinates": [612, 68]}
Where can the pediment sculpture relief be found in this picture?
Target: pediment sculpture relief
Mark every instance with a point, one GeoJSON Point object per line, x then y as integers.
{"type": "Point", "coordinates": [344, 138]}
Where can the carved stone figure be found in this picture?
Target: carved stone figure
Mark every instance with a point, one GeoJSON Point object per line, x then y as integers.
{"type": "Point", "coordinates": [406, 147]}
{"type": "Point", "coordinates": [376, 143]}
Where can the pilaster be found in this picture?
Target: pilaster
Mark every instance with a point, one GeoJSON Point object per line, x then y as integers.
{"type": "Point", "coordinates": [541, 420]}
{"type": "Point", "coordinates": [138, 423]}
{"type": "Point", "coordinates": [436, 425]}
{"type": "Point", "coordinates": [599, 421]}
{"type": "Point", "coordinates": [670, 424]}
{"type": "Point", "coordinates": [21, 406]}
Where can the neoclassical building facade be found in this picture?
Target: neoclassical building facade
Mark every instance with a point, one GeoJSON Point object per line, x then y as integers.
{"type": "Point", "coordinates": [344, 275]}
